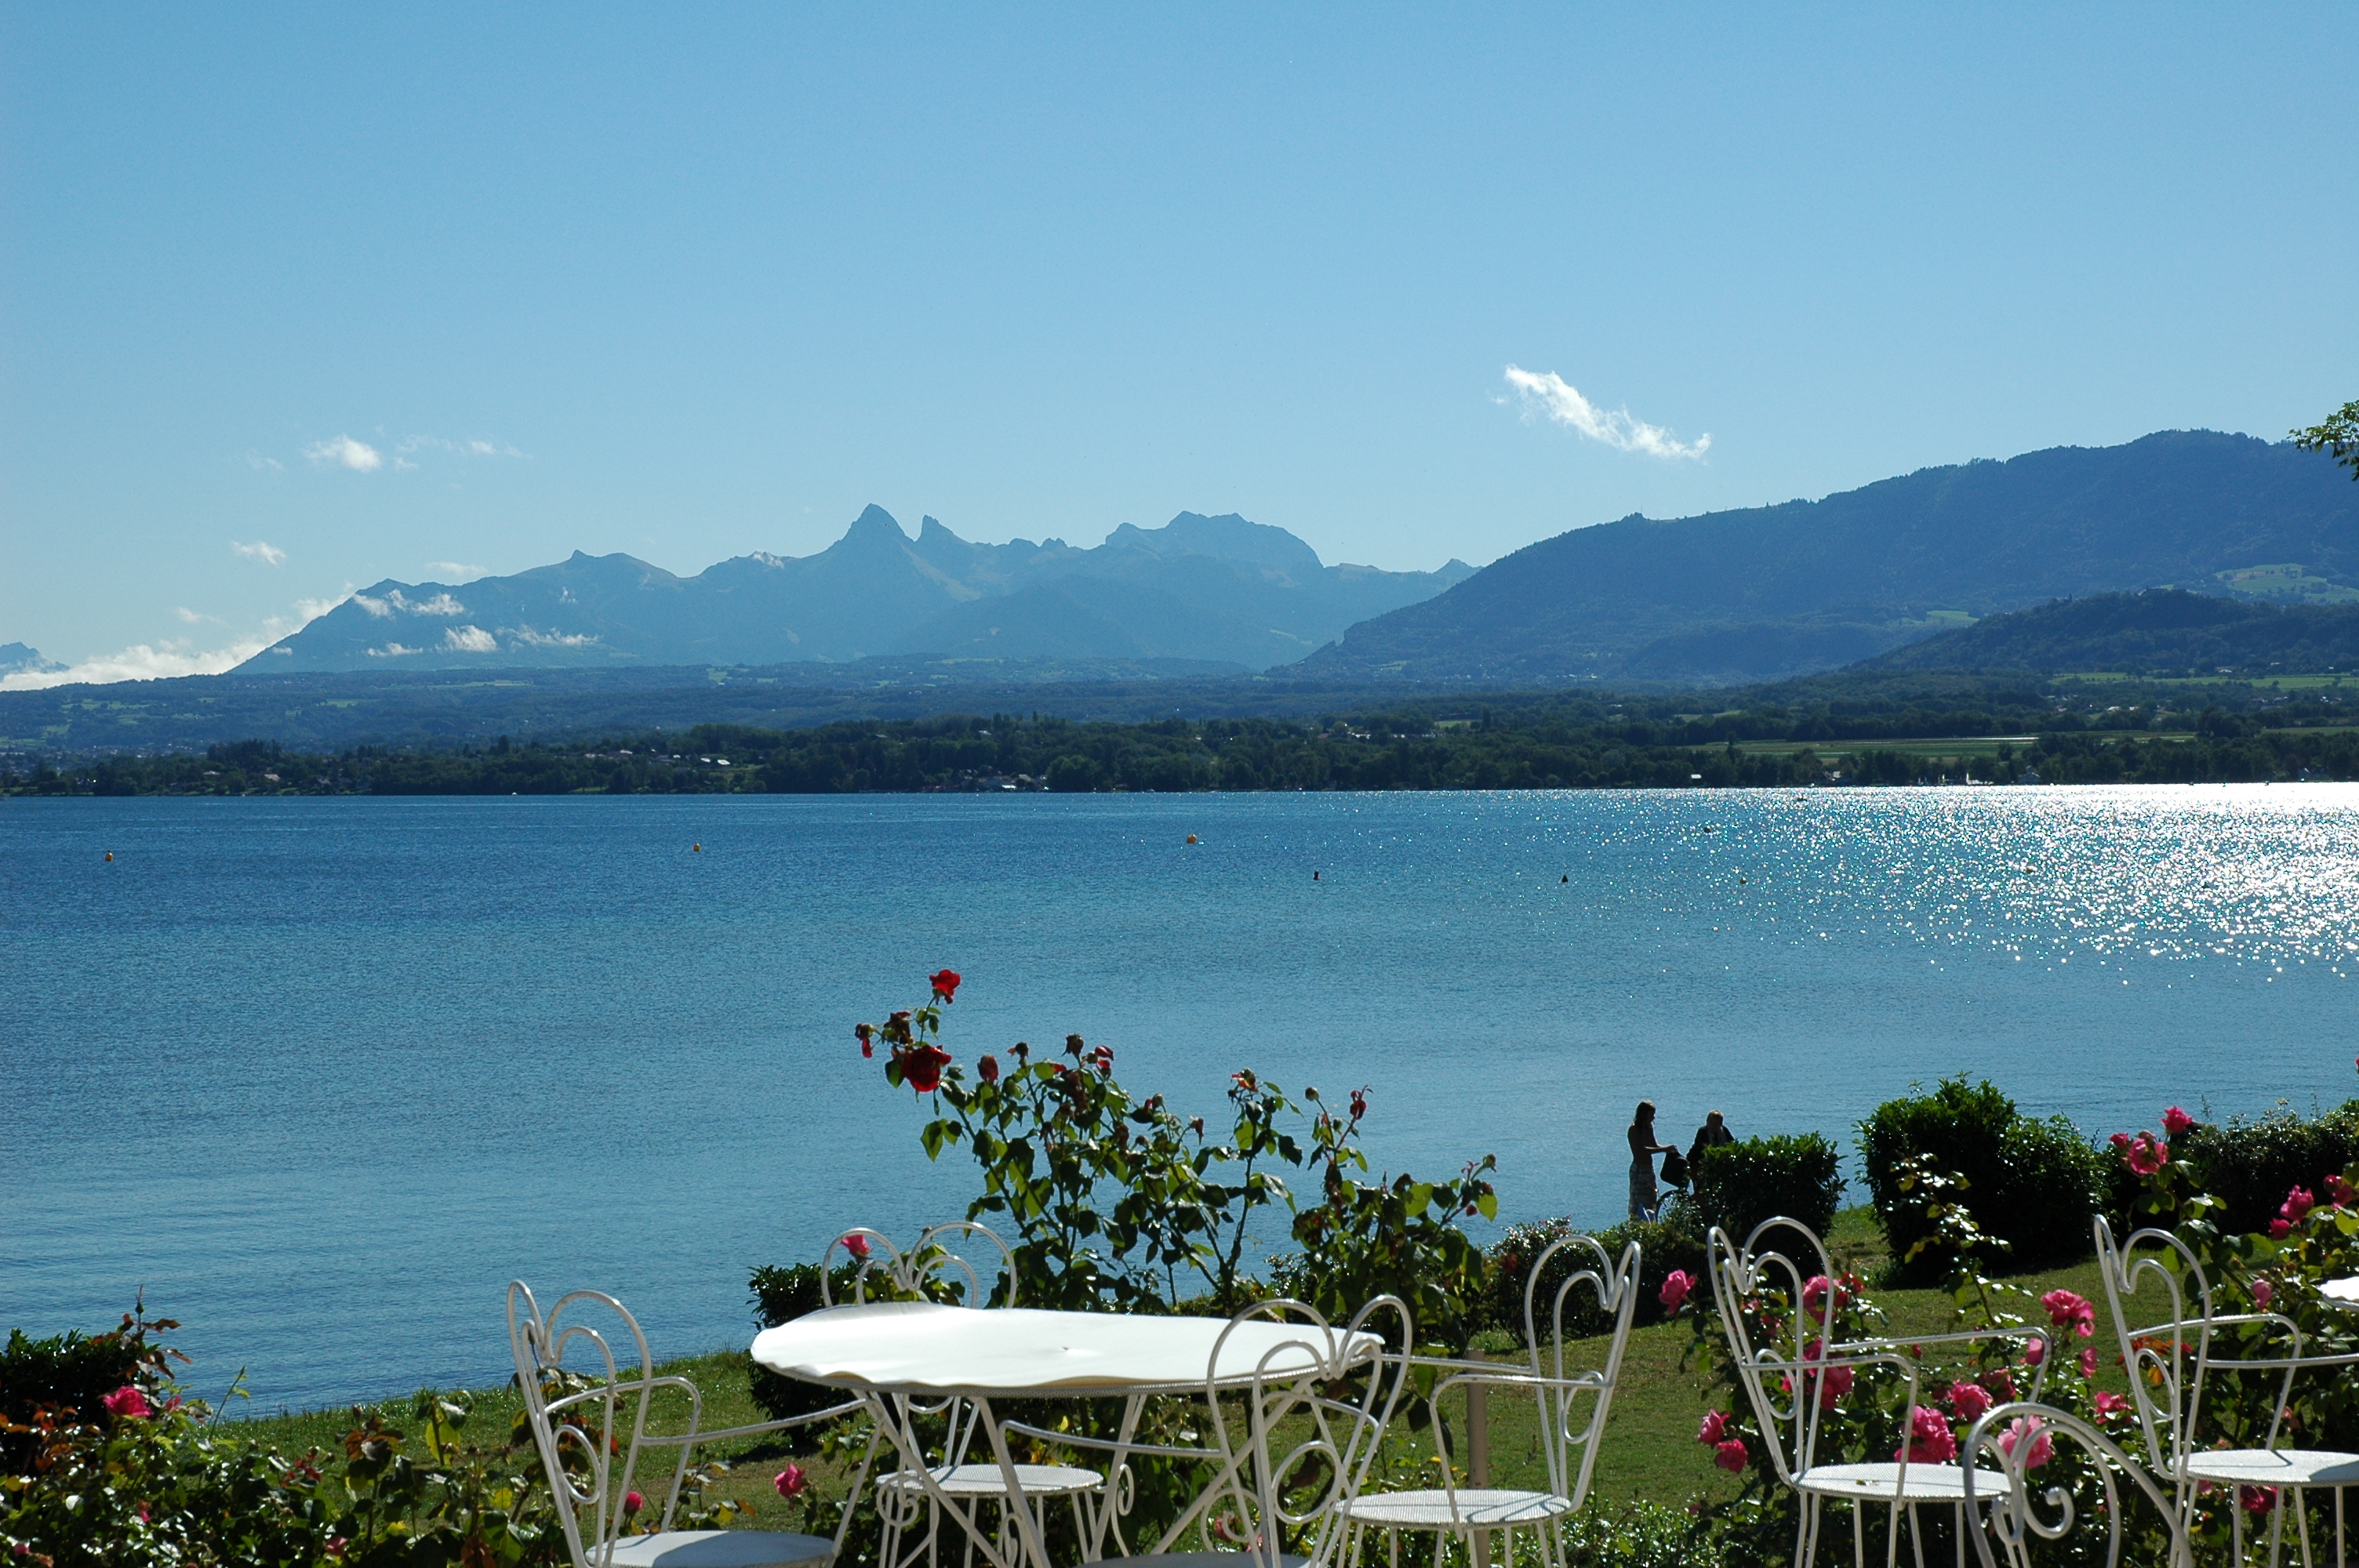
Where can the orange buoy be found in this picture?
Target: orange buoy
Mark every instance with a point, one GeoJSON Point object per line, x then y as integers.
{"type": "Point", "coordinates": [109, 854]}
{"type": "Point", "coordinates": [1191, 838]}
{"type": "Point", "coordinates": [697, 848]}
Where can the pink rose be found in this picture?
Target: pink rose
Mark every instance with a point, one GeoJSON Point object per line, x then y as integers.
{"type": "Point", "coordinates": [2147, 1154]}
{"type": "Point", "coordinates": [2110, 1405]}
{"type": "Point", "coordinates": [128, 1403]}
{"type": "Point", "coordinates": [2261, 1294]}
{"type": "Point", "coordinates": [2021, 1429]}
{"type": "Point", "coordinates": [2297, 1205]}
{"type": "Point", "coordinates": [2279, 1230]}
{"type": "Point", "coordinates": [2257, 1499]}
{"type": "Point", "coordinates": [2000, 1383]}
{"type": "Point", "coordinates": [1969, 1399]}
{"type": "Point", "coordinates": [2176, 1122]}
{"type": "Point", "coordinates": [791, 1481]}
{"type": "Point", "coordinates": [2088, 1363]}
{"type": "Point", "coordinates": [2066, 1310]}
{"type": "Point", "coordinates": [2035, 1353]}
{"type": "Point", "coordinates": [1675, 1286]}
{"type": "Point", "coordinates": [1714, 1428]}
{"type": "Point", "coordinates": [856, 1244]}
{"type": "Point", "coordinates": [633, 1502]}
{"type": "Point", "coordinates": [1835, 1382]}
{"type": "Point", "coordinates": [1729, 1455]}
{"type": "Point", "coordinates": [1930, 1441]}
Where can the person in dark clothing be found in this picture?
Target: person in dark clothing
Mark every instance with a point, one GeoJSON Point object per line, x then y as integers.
{"type": "Point", "coordinates": [1710, 1135]}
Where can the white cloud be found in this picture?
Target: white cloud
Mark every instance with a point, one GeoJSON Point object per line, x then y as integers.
{"type": "Point", "coordinates": [311, 610]}
{"type": "Point", "coordinates": [469, 640]}
{"type": "Point", "coordinates": [345, 452]}
{"type": "Point", "coordinates": [550, 639]}
{"type": "Point", "coordinates": [1550, 395]}
{"type": "Point", "coordinates": [140, 662]}
{"type": "Point", "coordinates": [192, 618]}
{"type": "Point", "coordinates": [475, 447]}
{"type": "Point", "coordinates": [170, 657]}
{"type": "Point", "coordinates": [257, 462]}
{"type": "Point", "coordinates": [396, 602]}
{"type": "Point", "coordinates": [393, 651]}
{"type": "Point", "coordinates": [457, 571]}
{"type": "Point", "coordinates": [270, 555]}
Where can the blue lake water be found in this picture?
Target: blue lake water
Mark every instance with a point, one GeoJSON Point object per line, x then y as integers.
{"type": "Point", "coordinates": [322, 1075]}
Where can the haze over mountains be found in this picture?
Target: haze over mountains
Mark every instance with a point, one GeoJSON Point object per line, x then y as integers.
{"type": "Point", "coordinates": [1219, 591]}
{"type": "Point", "coordinates": [1811, 585]}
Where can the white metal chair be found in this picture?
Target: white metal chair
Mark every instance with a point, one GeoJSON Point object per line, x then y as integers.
{"type": "Point", "coordinates": [930, 1271]}
{"type": "Point", "coordinates": [1261, 1499]}
{"type": "Point", "coordinates": [2031, 1508]}
{"type": "Point", "coordinates": [589, 1422]}
{"type": "Point", "coordinates": [1568, 1439]}
{"type": "Point", "coordinates": [2171, 1358]}
{"type": "Point", "coordinates": [1779, 1379]}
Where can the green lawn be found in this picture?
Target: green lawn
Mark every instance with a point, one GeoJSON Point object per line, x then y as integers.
{"type": "Point", "coordinates": [1650, 1450]}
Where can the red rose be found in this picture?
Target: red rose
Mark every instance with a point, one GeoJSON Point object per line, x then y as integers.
{"type": "Point", "coordinates": [946, 983]}
{"type": "Point", "coordinates": [921, 1068]}
{"type": "Point", "coordinates": [988, 1070]}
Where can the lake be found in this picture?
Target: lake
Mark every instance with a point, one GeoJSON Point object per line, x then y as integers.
{"type": "Point", "coordinates": [322, 1075]}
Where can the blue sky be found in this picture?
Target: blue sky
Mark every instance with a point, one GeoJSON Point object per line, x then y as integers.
{"type": "Point", "coordinates": [295, 299]}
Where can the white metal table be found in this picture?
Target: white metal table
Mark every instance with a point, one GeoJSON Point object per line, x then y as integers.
{"type": "Point", "coordinates": [898, 1354]}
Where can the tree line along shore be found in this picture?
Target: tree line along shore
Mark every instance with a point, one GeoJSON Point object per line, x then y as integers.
{"type": "Point", "coordinates": [1537, 743]}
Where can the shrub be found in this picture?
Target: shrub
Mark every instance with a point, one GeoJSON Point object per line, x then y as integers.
{"type": "Point", "coordinates": [1674, 1241]}
{"type": "Point", "coordinates": [2033, 1183]}
{"type": "Point", "coordinates": [70, 1374]}
{"type": "Point", "coordinates": [2249, 1165]}
{"type": "Point", "coordinates": [782, 1294]}
{"type": "Point", "coordinates": [1738, 1185]}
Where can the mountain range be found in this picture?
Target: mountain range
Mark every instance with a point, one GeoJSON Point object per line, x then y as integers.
{"type": "Point", "coordinates": [1773, 591]}
{"type": "Point", "coordinates": [1223, 593]}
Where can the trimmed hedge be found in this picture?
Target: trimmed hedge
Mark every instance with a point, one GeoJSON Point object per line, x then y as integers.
{"type": "Point", "coordinates": [1738, 1185]}
{"type": "Point", "coordinates": [2035, 1183]}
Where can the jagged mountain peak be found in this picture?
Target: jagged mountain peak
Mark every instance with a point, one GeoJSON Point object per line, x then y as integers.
{"type": "Point", "coordinates": [1199, 588]}
{"type": "Point", "coordinates": [874, 523]}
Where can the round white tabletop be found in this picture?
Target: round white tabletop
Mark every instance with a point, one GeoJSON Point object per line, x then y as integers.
{"type": "Point", "coordinates": [925, 1348]}
{"type": "Point", "coordinates": [2342, 1292]}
